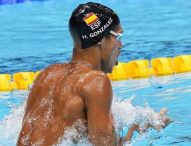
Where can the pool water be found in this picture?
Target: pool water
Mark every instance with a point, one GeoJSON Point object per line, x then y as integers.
{"type": "Point", "coordinates": [133, 99]}
{"type": "Point", "coordinates": [34, 35]}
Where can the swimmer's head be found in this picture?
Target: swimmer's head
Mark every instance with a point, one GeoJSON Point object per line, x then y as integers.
{"type": "Point", "coordinates": [95, 25]}
{"type": "Point", "coordinates": [91, 22]}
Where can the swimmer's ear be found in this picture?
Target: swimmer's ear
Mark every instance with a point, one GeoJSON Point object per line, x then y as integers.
{"type": "Point", "coordinates": [99, 43]}
{"type": "Point", "coordinates": [102, 42]}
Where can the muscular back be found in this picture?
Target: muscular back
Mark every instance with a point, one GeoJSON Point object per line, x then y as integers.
{"type": "Point", "coordinates": [53, 104]}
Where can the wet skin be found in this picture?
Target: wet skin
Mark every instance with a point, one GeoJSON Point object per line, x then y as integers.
{"type": "Point", "coordinates": [65, 93]}
{"type": "Point", "coordinates": [80, 90]}
{"type": "Point", "coordinates": [55, 103]}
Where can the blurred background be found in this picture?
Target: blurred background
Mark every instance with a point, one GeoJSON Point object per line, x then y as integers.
{"type": "Point", "coordinates": [35, 34]}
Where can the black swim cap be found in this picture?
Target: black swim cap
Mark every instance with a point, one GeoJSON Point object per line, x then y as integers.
{"type": "Point", "coordinates": [92, 21]}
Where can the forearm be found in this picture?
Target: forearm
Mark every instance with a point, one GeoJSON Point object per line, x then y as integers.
{"type": "Point", "coordinates": [134, 127]}
{"type": "Point", "coordinates": [104, 137]}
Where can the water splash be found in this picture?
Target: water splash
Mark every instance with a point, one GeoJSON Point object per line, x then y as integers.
{"type": "Point", "coordinates": [10, 126]}
{"type": "Point", "coordinates": [126, 114]}
{"type": "Point", "coordinates": [123, 111]}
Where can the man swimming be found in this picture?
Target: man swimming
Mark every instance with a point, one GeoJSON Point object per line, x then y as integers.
{"type": "Point", "coordinates": [79, 90]}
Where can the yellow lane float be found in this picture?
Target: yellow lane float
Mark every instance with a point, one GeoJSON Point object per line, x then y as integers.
{"type": "Point", "coordinates": [119, 72]}
{"type": "Point", "coordinates": [182, 63]}
{"type": "Point", "coordinates": [6, 84]}
{"type": "Point", "coordinates": [122, 71]}
{"type": "Point", "coordinates": [23, 79]}
{"type": "Point", "coordinates": [162, 66]}
{"type": "Point", "coordinates": [138, 69]}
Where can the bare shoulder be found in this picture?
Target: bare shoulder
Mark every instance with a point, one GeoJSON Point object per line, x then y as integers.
{"type": "Point", "coordinates": [43, 83]}
{"type": "Point", "coordinates": [48, 77]}
{"type": "Point", "coordinates": [98, 85]}
{"type": "Point", "coordinates": [96, 78]}
{"type": "Point", "coordinates": [50, 73]}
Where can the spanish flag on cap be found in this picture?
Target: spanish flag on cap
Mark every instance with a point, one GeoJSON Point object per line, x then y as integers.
{"type": "Point", "coordinates": [90, 19]}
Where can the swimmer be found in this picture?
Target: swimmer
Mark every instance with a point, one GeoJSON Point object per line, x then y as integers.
{"type": "Point", "coordinates": [79, 90]}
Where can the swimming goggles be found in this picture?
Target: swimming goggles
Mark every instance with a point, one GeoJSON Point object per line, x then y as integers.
{"type": "Point", "coordinates": [117, 35]}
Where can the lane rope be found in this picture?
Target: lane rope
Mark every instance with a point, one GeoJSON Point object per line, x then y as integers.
{"type": "Point", "coordinates": [123, 71]}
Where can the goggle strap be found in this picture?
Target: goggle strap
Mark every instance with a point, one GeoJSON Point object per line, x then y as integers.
{"type": "Point", "coordinates": [116, 34]}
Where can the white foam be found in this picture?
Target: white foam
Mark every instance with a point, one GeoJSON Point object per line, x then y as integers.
{"type": "Point", "coordinates": [10, 126]}
{"type": "Point", "coordinates": [124, 114]}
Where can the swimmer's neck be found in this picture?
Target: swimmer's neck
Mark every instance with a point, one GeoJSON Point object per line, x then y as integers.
{"type": "Point", "coordinates": [90, 56]}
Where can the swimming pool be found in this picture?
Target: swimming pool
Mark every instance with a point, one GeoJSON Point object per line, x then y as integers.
{"type": "Point", "coordinates": [34, 35]}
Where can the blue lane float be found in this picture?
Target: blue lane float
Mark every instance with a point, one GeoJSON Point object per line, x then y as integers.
{"type": "Point", "coordinates": [11, 1]}
{"type": "Point", "coordinates": [2, 2]}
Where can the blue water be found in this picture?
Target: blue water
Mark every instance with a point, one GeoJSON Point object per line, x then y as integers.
{"type": "Point", "coordinates": [3, 2]}
{"type": "Point", "coordinates": [172, 92]}
{"type": "Point", "coordinates": [35, 34]}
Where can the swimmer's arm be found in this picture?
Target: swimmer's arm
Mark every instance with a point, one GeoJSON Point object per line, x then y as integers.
{"type": "Point", "coordinates": [97, 92]}
{"type": "Point", "coordinates": [128, 137]}
{"type": "Point", "coordinates": [136, 127]}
